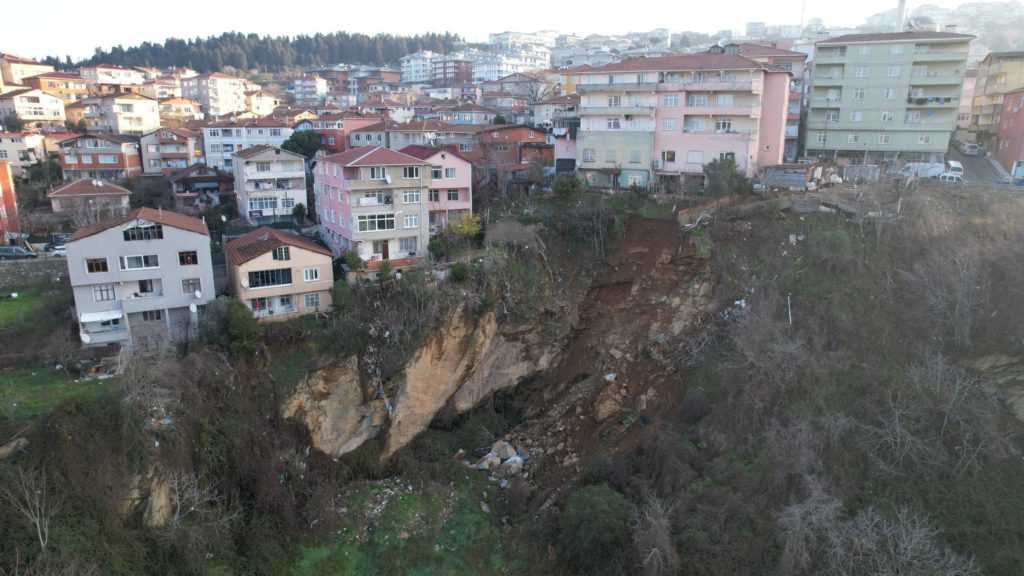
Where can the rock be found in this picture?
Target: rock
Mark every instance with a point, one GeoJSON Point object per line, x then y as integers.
{"type": "Point", "coordinates": [12, 447]}
{"type": "Point", "coordinates": [490, 461]}
{"type": "Point", "coordinates": [503, 485]}
{"type": "Point", "coordinates": [512, 466]}
{"type": "Point", "coordinates": [608, 403]}
{"type": "Point", "coordinates": [570, 461]}
{"type": "Point", "coordinates": [158, 505]}
{"type": "Point", "coordinates": [484, 507]}
{"type": "Point", "coordinates": [611, 377]}
{"type": "Point", "coordinates": [459, 455]}
{"type": "Point", "coordinates": [503, 449]}
{"type": "Point", "coordinates": [615, 353]}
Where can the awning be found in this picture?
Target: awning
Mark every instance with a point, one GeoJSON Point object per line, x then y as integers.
{"type": "Point", "coordinates": [101, 316]}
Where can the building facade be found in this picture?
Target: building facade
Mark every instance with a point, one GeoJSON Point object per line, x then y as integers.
{"type": "Point", "coordinates": [37, 109]}
{"type": "Point", "coordinates": [886, 98]}
{"type": "Point", "coordinates": [309, 90]}
{"type": "Point", "coordinates": [168, 150]}
{"type": "Point", "coordinates": [219, 94]}
{"type": "Point", "coordinates": [111, 74]}
{"type": "Point", "coordinates": [137, 278]}
{"type": "Point", "coordinates": [121, 114]}
{"type": "Point", "coordinates": [14, 69]}
{"type": "Point", "coordinates": [21, 149]}
{"type": "Point", "coordinates": [101, 156]}
{"type": "Point", "coordinates": [67, 87]}
{"type": "Point", "coordinates": [418, 67]}
{"type": "Point", "coordinates": [88, 201]}
{"type": "Point", "coordinates": [998, 73]}
{"type": "Point", "coordinates": [261, 102]}
{"type": "Point", "coordinates": [450, 198]}
{"type": "Point", "coordinates": [279, 275]}
{"type": "Point", "coordinates": [222, 139]}
{"type": "Point", "coordinates": [269, 182]}
{"type": "Point", "coordinates": [1009, 149]}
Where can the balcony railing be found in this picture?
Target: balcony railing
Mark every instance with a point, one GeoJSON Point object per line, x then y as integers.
{"type": "Point", "coordinates": [712, 85]}
{"type": "Point", "coordinates": [616, 110]}
{"type": "Point", "coordinates": [939, 55]}
{"type": "Point", "coordinates": [753, 110]}
{"type": "Point", "coordinates": [373, 201]}
{"type": "Point", "coordinates": [624, 87]}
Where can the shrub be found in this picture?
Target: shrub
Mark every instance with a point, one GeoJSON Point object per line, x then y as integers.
{"type": "Point", "coordinates": [243, 329]}
{"type": "Point", "coordinates": [594, 531]}
{"type": "Point", "coordinates": [460, 272]}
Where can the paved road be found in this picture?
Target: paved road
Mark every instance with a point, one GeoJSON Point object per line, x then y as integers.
{"type": "Point", "coordinates": [976, 168]}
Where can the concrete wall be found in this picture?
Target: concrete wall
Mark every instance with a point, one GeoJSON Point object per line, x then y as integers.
{"type": "Point", "coordinates": [20, 273]}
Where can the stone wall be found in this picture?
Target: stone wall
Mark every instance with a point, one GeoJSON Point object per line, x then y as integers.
{"type": "Point", "coordinates": [21, 273]}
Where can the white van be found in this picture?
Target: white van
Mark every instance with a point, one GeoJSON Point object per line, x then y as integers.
{"type": "Point", "coordinates": [950, 177]}
{"type": "Point", "coordinates": [954, 167]}
{"type": "Point", "coordinates": [970, 149]}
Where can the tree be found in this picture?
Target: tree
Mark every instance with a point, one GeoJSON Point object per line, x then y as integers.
{"type": "Point", "coordinates": [305, 142]}
{"type": "Point", "coordinates": [499, 119]}
{"type": "Point", "coordinates": [151, 193]}
{"type": "Point", "coordinates": [566, 187]}
{"type": "Point", "coordinates": [12, 123]}
{"type": "Point", "coordinates": [28, 494]}
{"type": "Point", "coordinates": [81, 127]}
{"type": "Point", "coordinates": [299, 213]}
{"type": "Point", "coordinates": [243, 328]}
{"type": "Point", "coordinates": [721, 178]}
{"type": "Point", "coordinates": [594, 531]}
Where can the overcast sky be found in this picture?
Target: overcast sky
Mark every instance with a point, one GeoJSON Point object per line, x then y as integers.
{"type": "Point", "coordinates": [51, 27]}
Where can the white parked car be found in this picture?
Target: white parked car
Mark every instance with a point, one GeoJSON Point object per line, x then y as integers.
{"type": "Point", "coordinates": [950, 177]}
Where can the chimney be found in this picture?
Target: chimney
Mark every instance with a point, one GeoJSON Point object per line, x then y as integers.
{"type": "Point", "coordinates": [901, 15]}
{"type": "Point", "coordinates": [950, 27]}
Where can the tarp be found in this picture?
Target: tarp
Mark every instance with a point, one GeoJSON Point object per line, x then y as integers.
{"type": "Point", "coordinates": [101, 316]}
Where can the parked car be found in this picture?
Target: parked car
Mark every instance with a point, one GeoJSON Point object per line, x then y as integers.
{"type": "Point", "coordinates": [954, 167]}
{"type": "Point", "coordinates": [949, 177]}
{"type": "Point", "coordinates": [15, 253]}
{"type": "Point", "coordinates": [970, 149]}
{"type": "Point", "coordinates": [59, 251]}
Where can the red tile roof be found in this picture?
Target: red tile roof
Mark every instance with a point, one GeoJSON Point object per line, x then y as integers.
{"type": "Point", "coordinates": [892, 36]}
{"type": "Point", "coordinates": [424, 152]}
{"type": "Point", "coordinates": [268, 122]}
{"type": "Point", "coordinates": [261, 148]}
{"type": "Point", "coordinates": [19, 60]}
{"type": "Point", "coordinates": [88, 187]}
{"type": "Point", "coordinates": [57, 75]}
{"type": "Point", "coordinates": [164, 217]}
{"type": "Point", "coordinates": [699, 61]}
{"type": "Point", "coordinates": [417, 126]}
{"type": "Point", "coordinates": [372, 156]}
{"type": "Point", "coordinates": [264, 239]}
{"type": "Point", "coordinates": [761, 50]}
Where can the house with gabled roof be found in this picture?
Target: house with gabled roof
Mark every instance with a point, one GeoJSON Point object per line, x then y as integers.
{"type": "Point", "coordinates": [269, 182]}
{"type": "Point", "coordinates": [199, 185]}
{"type": "Point", "coordinates": [279, 274]}
{"type": "Point", "coordinates": [37, 109]}
{"type": "Point", "coordinates": [101, 156]}
{"type": "Point", "coordinates": [166, 150]}
{"type": "Point", "coordinates": [87, 200]}
{"type": "Point", "coordinates": [450, 198]}
{"type": "Point", "coordinates": [14, 69]}
{"type": "Point", "coordinates": [140, 279]}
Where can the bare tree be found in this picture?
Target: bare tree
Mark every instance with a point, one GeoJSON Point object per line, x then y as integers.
{"type": "Point", "coordinates": [147, 385]}
{"type": "Point", "coordinates": [199, 517]}
{"type": "Point", "coordinates": [28, 494]}
{"type": "Point", "coordinates": [653, 538]}
{"type": "Point", "coordinates": [804, 525]}
{"type": "Point", "coordinates": [953, 288]}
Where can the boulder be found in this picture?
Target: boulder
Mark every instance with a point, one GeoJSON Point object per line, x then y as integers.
{"type": "Point", "coordinates": [503, 449]}
{"type": "Point", "coordinates": [12, 447]}
{"type": "Point", "coordinates": [490, 461]}
{"type": "Point", "coordinates": [608, 403]}
{"type": "Point", "coordinates": [512, 466]}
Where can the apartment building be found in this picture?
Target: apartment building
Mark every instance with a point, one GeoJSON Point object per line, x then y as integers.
{"type": "Point", "coordinates": [396, 136]}
{"type": "Point", "coordinates": [222, 139]}
{"type": "Point", "coordinates": [87, 201]}
{"type": "Point", "coordinates": [375, 201]}
{"type": "Point", "coordinates": [101, 156]}
{"type": "Point", "coordinates": [1009, 150]}
{"type": "Point", "coordinates": [21, 149]}
{"type": "Point", "coordinates": [450, 198]}
{"type": "Point", "coordinates": [160, 89]}
{"type": "Point", "coordinates": [167, 150]}
{"type": "Point", "coordinates": [37, 109]}
{"type": "Point", "coordinates": [556, 108]}
{"type": "Point", "coordinates": [279, 274]}
{"type": "Point", "coordinates": [178, 111]}
{"type": "Point", "coordinates": [795, 64]}
{"type": "Point", "coordinates": [261, 102]}
{"type": "Point", "coordinates": [998, 73]}
{"type": "Point", "coordinates": [140, 280]}
{"type": "Point", "coordinates": [198, 186]}
{"type": "Point", "coordinates": [334, 128]}
{"type": "Point", "coordinates": [886, 98]}
{"type": "Point", "coordinates": [469, 113]}
{"type": "Point", "coordinates": [269, 182]}
{"type": "Point", "coordinates": [121, 113]}
{"type": "Point", "coordinates": [418, 67]}
{"type": "Point", "coordinates": [14, 69]}
{"type": "Point", "coordinates": [111, 74]}
{"type": "Point", "coordinates": [219, 94]}
{"type": "Point", "coordinates": [451, 70]}
{"type": "Point", "coordinates": [667, 117]}
{"type": "Point", "coordinates": [963, 117]}
{"type": "Point", "coordinates": [67, 87]}
{"type": "Point", "coordinates": [309, 90]}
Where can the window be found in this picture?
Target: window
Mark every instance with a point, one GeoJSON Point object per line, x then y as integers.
{"type": "Point", "coordinates": [107, 159]}
{"type": "Point", "coordinates": [695, 157]}
{"type": "Point", "coordinates": [887, 116]}
{"type": "Point", "coordinates": [214, 133]}
{"type": "Point", "coordinates": [449, 173]}
{"type": "Point", "coordinates": [263, 203]}
{"type": "Point", "coordinates": [96, 265]}
{"type": "Point", "coordinates": [668, 155]}
{"type": "Point", "coordinates": [890, 94]}
{"type": "Point", "coordinates": [822, 136]}
{"type": "Point", "coordinates": [311, 274]}
{"type": "Point", "coordinates": [377, 173]}
{"type": "Point", "coordinates": [372, 222]}
{"type": "Point", "coordinates": [214, 147]}
{"type": "Point", "coordinates": [856, 116]}
{"type": "Point", "coordinates": [912, 118]}
{"type": "Point", "coordinates": [435, 172]}
{"type": "Point", "coordinates": [408, 244]}
{"type": "Point", "coordinates": [610, 156]}
{"type": "Point", "coordinates": [190, 285]}
{"type": "Point", "coordinates": [465, 147]}
{"type": "Point", "coordinates": [264, 278]}
{"type": "Point", "coordinates": [723, 100]}
{"type": "Point", "coordinates": [835, 72]}
{"type": "Point", "coordinates": [864, 50]}
{"type": "Point", "coordinates": [263, 166]}
{"type": "Point", "coordinates": [412, 221]}
{"type": "Point", "coordinates": [924, 138]}
{"type": "Point", "coordinates": [614, 101]}
{"type": "Point", "coordinates": [853, 138]}
{"type": "Point", "coordinates": [139, 262]}
{"type": "Point", "coordinates": [834, 94]}
{"type": "Point", "coordinates": [283, 253]}
{"type": "Point", "coordinates": [331, 141]}
{"type": "Point", "coordinates": [144, 232]}
{"type": "Point", "coordinates": [152, 315]}
{"type": "Point", "coordinates": [894, 71]}
{"type": "Point", "coordinates": [669, 124]}
{"type": "Point", "coordinates": [697, 100]}
{"type": "Point", "coordinates": [695, 125]}
{"type": "Point", "coordinates": [411, 197]}
{"type": "Point", "coordinates": [634, 156]}
{"type": "Point", "coordinates": [588, 154]}
{"type": "Point", "coordinates": [723, 125]}
{"type": "Point", "coordinates": [501, 147]}
{"type": "Point", "coordinates": [840, 51]}
{"type": "Point", "coordinates": [883, 138]}
{"type": "Point", "coordinates": [963, 117]}
{"type": "Point", "coordinates": [103, 293]}
{"type": "Point", "coordinates": [287, 202]}
{"type": "Point", "coordinates": [723, 156]}
{"type": "Point", "coordinates": [312, 301]}
{"type": "Point", "coordinates": [188, 258]}
{"type": "Point", "coordinates": [671, 100]}
{"type": "Point", "coordinates": [453, 195]}
{"type": "Point", "coordinates": [277, 132]}
{"type": "Point", "coordinates": [433, 196]}
{"type": "Point", "coordinates": [613, 124]}
{"type": "Point", "coordinates": [858, 93]}
{"type": "Point", "coordinates": [919, 70]}
{"type": "Point", "coordinates": [410, 172]}
{"type": "Point", "coordinates": [896, 49]}
{"type": "Point", "coordinates": [917, 93]}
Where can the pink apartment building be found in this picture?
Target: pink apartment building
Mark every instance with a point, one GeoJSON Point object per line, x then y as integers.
{"type": "Point", "coordinates": [1010, 141]}
{"type": "Point", "coordinates": [451, 185]}
{"type": "Point", "coordinates": [375, 201]}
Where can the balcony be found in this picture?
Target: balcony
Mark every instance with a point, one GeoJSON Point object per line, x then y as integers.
{"type": "Point", "coordinates": [747, 110]}
{"type": "Point", "coordinates": [828, 81]}
{"type": "Point", "coordinates": [715, 86]}
{"type": "Point", "coordinates": [792, 131]}
{"type": "Point", "coordinates": [677, 168]}
{"type": "Point", "coordinates": [366, 201]}
{"type": "Point", "coordinates": [144, 302]}
{"type": "Point", "coordinates": [937, 79]}
{"type": "Point", "coordinates": [934, 102]}
{"type": "Point", "coordinates": [616, 110]}
{"type": "Point", "coordinates": [939, 55]}
{"type": "Point", "coordinates": [592, 88]}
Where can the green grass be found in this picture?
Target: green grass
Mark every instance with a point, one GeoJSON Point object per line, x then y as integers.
{"type": "Point", "coordinates": [18, 309]}
{"type": "Point", "coordinates": [37, 391]}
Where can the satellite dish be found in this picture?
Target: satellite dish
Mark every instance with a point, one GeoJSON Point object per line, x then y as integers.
{"type": "Point", "coordinates": [192, 308]}
{"type": "Point", "coordinates": [223, 218]}
{"type": "Point", "coordinates": [244, 282]}
{"type": "Point", "coordinates": [85, 337]}
{"type": "Point", "coordinates": [199, 294]}
{"type": "Point", "coordinates": [387, 178]}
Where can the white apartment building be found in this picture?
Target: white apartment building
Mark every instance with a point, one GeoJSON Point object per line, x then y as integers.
{"type": "Point", "coordinates": [222, 139]}
{"type": "Point", "coordinates": [37, 109]}
{"type": "Point", "coordinates": [510, 39]}
{"type": "Point", "coordinates": [111, 74]}
{"type": "Point", "coordinates": [261, 102]}
{"type": "Point", "coordinates": [418, 66]}
{"type": "Point", "coordinates": [219, 94]}
{"type": "Point", "coordinates": [496, 66]}
{"type": "Point", "coordinates": [309, 90]}
{"type": "Point", "coordinates": [269, 182]}
{"type": "Point", "coordinates": [21, 149]}
{"type": "Point", "coordinates": [121, 113]}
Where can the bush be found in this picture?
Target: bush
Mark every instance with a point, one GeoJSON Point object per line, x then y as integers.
{"type": "Point", "coordinates": [460, 272]}
{"type": "Point", "coordinates": [594, 531]}
{"type": "Point", "coordinates": [229, 325]}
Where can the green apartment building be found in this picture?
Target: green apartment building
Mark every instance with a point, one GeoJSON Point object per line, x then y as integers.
{"type": "Point", "coordinates": [885, 98]}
